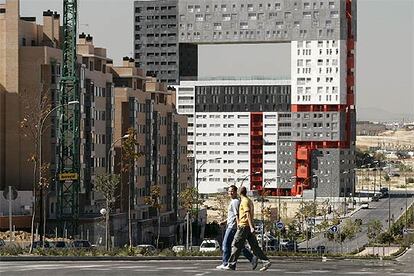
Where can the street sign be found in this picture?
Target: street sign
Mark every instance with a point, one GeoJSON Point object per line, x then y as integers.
{"type": "Point", "coordinates": [68, 176]}
{"type": "Point", "coordinates": [334, 229]}
{"type": "Point", "coordinates": [280, 225]}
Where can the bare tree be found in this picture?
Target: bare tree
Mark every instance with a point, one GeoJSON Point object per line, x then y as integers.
{"type": "Point", "coordinates": [130, 153]}
{"type": "Point", "coordinates": [222, 201]}
{"type": "Point", "coordinates": [35, 107]}
{"type": "Point", "coordinates": [188, 199]}
{"type": "Point", "coordinates": [107, 184]}
{"type": "Point", "coordinates": [153, 200]}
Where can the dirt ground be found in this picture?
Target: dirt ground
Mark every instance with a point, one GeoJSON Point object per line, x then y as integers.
{"type": "Point", "coordinates": [400, 139]}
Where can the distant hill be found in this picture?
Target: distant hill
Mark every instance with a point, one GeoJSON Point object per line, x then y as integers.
{"type": "Point", "coordinates": [381, 115]}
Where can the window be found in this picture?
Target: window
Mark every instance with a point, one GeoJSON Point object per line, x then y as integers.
{"type": "Point", "coordinates": [199, 17]}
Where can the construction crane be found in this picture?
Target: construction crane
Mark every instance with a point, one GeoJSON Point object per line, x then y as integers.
{"type": "Point", "coordinates": [68, 124]}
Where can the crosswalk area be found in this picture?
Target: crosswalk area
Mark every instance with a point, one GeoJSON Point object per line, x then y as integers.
{"type": "Point", "coordinates": [201, 268]}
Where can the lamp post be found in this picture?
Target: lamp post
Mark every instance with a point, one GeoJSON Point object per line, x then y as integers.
{"type": "Point", "coordinates": [262, 199]}
{"type": "Point", "coordinates": [198, 194]}
{"type": "Point", "coordinates": [247, 176]}
{"type": "Point", "coordinates": [106, 211]}
{"type": "Point", "coordinates": [109, 153]}
{"type": "Point", "coordinates": [40, 132]}
{"type": "Point", "coordinates": [346, 189]}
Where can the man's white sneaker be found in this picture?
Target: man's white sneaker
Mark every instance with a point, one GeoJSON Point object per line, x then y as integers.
{"type": "Point", "coordinates": [222, 266]}
{"type": "Point", "coordinates": [266, 265]}
{"type": "Point", "coordinates": [228, 267]}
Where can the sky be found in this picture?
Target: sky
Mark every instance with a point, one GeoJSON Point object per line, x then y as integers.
{"type": "Point", "coordinates": [384, 58]}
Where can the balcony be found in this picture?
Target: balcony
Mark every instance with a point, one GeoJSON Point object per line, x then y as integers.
{"type": "Point", "coordinates": [257, 160]}
{"type": "Point", "coordinates": [257, 142]}
{"type": "Point", "coordinates": [350, 81]}
{"type": "Point", "coordinates": [257, 151]}
{"type": "Point", "coordinates": [302, 172]}
{"type": "Point", "coordinates": [256, 133]}
{"type": "Point", "coordinates": [257, 124]}
{"type": "Point", "coordinates": [256, 178]}
{"type": "Point", "coordinates": [350, 44]}
{"type": "Point", "coordinates": [302, 154]}
{"type": "Point", "coordinates": [351, 62]}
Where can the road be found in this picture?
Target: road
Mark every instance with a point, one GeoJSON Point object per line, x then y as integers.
{"type": "Point", "coordinates": [377, 210]}
{"type": "Point", "coordinates": [201, 268]}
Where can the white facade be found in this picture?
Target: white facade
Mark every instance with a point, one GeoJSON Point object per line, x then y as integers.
{"type": "Point", "coordinates": [220, 141]}
{"type": "Point", "coordinates": [318, 72]}
{"type": "Point", "coordinates": [270, 152]}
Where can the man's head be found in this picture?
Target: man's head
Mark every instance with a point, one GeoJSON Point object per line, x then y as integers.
{"type": "Point", "coordinates": [232, 191]}
{"type": "Point", "coordinates": [243, 191]}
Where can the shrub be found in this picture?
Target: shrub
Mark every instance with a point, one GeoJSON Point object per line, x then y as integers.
{"type": "Point", "coordinates": [11, 250]}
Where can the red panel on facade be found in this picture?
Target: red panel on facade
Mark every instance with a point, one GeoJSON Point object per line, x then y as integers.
{"type": "Point", "coordinates": [256, 150]}
{"type": "Point", "coordinates": [303, 171]}
{"type": "Point", "coordinates": [302, 154]}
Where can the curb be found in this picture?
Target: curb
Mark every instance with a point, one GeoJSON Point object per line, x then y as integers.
{"type": "Point", "coordinates": [136, 258]}
{"type": "Point", "coordinates": [402, 253]}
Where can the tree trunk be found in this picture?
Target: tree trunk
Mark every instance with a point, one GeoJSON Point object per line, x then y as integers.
{"type": "Point", "coordinates": [33, 210]}
{"type": "Point", "coordinates": [159, 227]}
{"type": "Point", "coordinates": [129, 206]}
{"type": "Point", "coordinates": [107, 225]}
{"type": "Point", "coordinates": [44, 214]}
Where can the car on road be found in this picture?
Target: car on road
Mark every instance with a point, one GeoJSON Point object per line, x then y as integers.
{"type": "Point", "coordinates": [209, 246]}
{"type": "Point", "coordinates": [376, 197]}
{"type": "Point", "coordinates": [384, 192]}
{"type": "Point", "coordinates": [365, 205]}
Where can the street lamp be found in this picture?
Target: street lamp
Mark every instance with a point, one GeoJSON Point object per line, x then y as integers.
{"type": "Point", "coordinates": [247, 176]}
{"type": "Point", "coordinates": [39, 135]}
{"type": "Point", "coordinates": [198, 180]}
{"type": "Point", "coordinates": [198, 194]}
{"type": "Point", "coordinates": [106, 212]}
{"type": "Point", "coordinates": [108, 155]}
{"type": "Point", "coordinates": [346, 188]}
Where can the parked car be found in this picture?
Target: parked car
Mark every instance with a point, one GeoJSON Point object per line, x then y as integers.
{"type": "Point", "coordinates": [209, 246]}
{"type": "Point", "coordinates": [320, 249]}
{"type": "Point", "coordinates": [81, 244]}
{"type": "Point", "coordinates": [178, 248]}
{"type": "Point", "coordinates": [270, 242]}
{"type": "Point", "coordinates": [266, 237]}
{"type": "Point", "coordinates": [60, 244]}
{"type": "Point", "coordinates": [2, 243]}
{"type": "Point", "coordinates": [38, 244]}
{"type": "Point", "coordinates": [290, 246]}
{"type": "Point", "coordinates": [147, 248]}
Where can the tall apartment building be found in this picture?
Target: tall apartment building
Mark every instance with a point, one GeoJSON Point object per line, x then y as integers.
{"type": "Point", "coordinates": [29, 72]}
{"type": "Point", "coordinates": [316, 135]}
{"type": "Point", "coordinates": [148, 106]}
{"type": "Point", "coordinates": [97, 120]}
{"type": "Point", "coordinates": [156, 38]}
